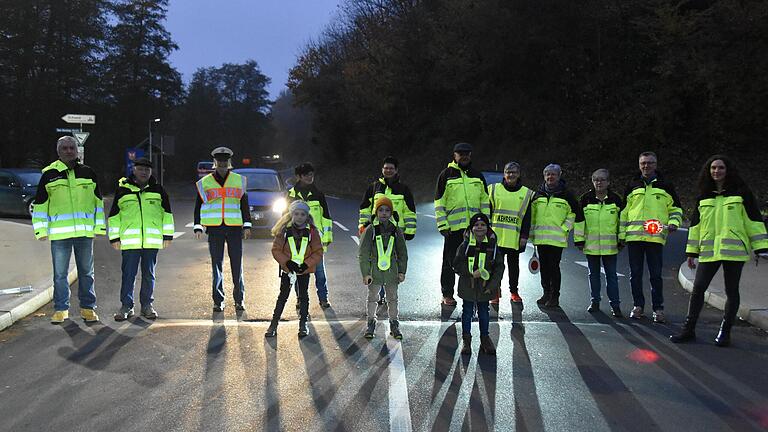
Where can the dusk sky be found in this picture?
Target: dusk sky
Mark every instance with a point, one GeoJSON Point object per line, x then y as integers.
{"type": "Point", "coordinates": [272, 32]}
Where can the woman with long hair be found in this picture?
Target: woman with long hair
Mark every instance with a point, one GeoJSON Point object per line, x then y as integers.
{"type": "Point", "coordinates": [726, 225]}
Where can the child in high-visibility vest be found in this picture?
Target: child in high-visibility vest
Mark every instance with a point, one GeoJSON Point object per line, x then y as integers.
{"type": "Point", "coordinates": [383, 260]}
{"type": "Point", "coordinates": [298, 249]}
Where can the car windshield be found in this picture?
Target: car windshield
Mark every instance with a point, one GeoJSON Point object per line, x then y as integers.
{"type": "Point", "coordinates": [205, 165]}
{"type": "Point", "coordinates": [30, 179]}
{"type": "Point", "coordinates": [267, 182]}
{"type": "Point", "coordinates": [493, 177]}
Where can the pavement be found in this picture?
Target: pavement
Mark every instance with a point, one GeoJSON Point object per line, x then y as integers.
{"type": "Point", "coordinates": [753, 291]}
{"type": "Point", "coordinates": [22, 266]}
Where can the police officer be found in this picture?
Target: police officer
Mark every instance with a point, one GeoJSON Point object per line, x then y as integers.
{"type": "Point", "coordinates": [511, 221]}
{"type": "Point", "coordinates": [140, 224]}
{"type": "Point", "coordinates": [69, 210]}
{"type": "Point", "coordinates": [461, 192]}
{"type": "Point", "coordinates": [222, 211]}
{"type": "Point", "coordinates": [306, 190]}
{"type": "Point", "coordinates": [651, 202]}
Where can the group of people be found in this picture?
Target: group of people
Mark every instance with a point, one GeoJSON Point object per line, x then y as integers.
{"type": "Point", "coordinates": [483, 226]}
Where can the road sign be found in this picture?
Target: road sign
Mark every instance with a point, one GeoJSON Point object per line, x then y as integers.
{"type": "Point", "coordinates": [80, 118]}
{"type": "Point", "coordinates": [81, 137]}
{"type": "Point", "coordinates": [67, 130]}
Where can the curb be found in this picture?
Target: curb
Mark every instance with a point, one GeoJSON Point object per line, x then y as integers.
{"type": "Point", "coordinates": [756, 317]}
{"type": "Point", "coordinates": [35, 302]}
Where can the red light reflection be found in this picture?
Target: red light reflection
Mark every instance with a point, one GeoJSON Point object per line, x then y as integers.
{"type": "Point", "coordinates": [643, 356]}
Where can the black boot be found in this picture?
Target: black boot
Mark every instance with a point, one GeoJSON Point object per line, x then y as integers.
{"type": "Point", "coordinates": [303, 329]}
{"type": "Point", "coordinates": [272, 329]}
{"type": "Point", "coordinates": [554, 300]}
{"type": "Point", "coordinates": [276, 314]}
{"type": "Point", "coordinates": [544, 298]}
{"type": "Point", "coordinates": [723, 338]}
{"type": "Point", "coordinates": [687, 334]}
{"type": "Point", "coordinates": [466, 344]}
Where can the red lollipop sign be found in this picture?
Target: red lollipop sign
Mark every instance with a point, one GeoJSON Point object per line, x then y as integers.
{"type": "Point", "coordinates": [653, 226]}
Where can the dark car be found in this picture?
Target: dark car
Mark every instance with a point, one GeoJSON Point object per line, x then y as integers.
{"type": "Point", "coordinates": [266, 196]}
{"type": "Point", "coordinates": [204, 168]}
{"type": "Point", "coordinates": [492, 177]}
{"type": "Point", "coordinates": [17, 190]}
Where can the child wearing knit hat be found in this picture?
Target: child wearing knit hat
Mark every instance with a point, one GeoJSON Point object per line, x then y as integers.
{"type": "Point", "coordinates": [383, 261]}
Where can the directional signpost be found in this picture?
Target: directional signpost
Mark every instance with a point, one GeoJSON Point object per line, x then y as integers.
{"type": "Point", "coordinates": [79, 135]}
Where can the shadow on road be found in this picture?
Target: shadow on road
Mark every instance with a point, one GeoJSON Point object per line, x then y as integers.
{"type": "Point", "coordinates": [106, 341]}
{"type": "Point", "coordinates": [213, 400]}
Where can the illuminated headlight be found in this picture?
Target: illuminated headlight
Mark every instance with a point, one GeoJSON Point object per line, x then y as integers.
{"type": "Point", "coordinates": [279, 205]}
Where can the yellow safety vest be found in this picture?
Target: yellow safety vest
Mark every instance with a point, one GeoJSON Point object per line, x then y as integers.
{"type": "Point", "coordinates": [507, 212]}
{"type": "Point", "coordinates": [221, 204]}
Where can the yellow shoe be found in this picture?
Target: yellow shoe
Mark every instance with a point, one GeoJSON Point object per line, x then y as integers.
{"type": "Point", "coordinates": [59, 317]}
{"type": "Point", "coordinates": [89, 315]}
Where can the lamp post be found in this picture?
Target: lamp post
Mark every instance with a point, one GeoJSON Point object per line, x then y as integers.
{"type": "Point", "coordinates": [157, 120]}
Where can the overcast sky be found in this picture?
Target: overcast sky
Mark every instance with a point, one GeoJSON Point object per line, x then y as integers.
{"type": "Point", "coordinates": [272, 32]}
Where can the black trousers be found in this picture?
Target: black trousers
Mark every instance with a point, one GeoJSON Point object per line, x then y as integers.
{"type": "Point", "coordinates": [704, 274]}
{"type": "Point", "coordinates": [549, 257]}
{"type": "Point", "coordinates": [513, 267]}
{"type": "Point", "coordinates": [447, 276]}
{"type": "Point", "coordinates": [302, 282]}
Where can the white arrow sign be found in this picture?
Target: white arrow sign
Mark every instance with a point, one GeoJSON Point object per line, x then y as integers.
{"type": "Point", "coordinates": [80, 118]}
{"type": "Point", "coordinates": [81, 137]}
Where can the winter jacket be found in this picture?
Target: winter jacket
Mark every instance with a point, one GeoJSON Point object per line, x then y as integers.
{"type": "Point", "coordinates": [478, 290]}
{"type": "Point", "coordinates": [281, 249]}
{"type": "Point", "coordinates": [368, 255]}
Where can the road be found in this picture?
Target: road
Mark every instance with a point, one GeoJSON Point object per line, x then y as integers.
{"type": "Point", "coordinates": [195, 370]}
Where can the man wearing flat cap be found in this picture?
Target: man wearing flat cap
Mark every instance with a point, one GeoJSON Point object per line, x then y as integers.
{"type": "Point", "coordinates": [222, 212]}
{"type": "Point", "coordinates": [140, 224]}
{"type": "Point", "coordinates": [460, 194]}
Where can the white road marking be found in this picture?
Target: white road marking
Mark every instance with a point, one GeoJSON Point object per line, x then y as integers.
{"type": "Point", "coordinates": [399, 407]}
{"type": "Point", "coordinates": [178, 234]}
{"type": "Point", "coordinates": [340, 226]}
{"type": "Point", "coordinates": [427, 215]}
{"type": "Point", "coordinates": [356, 239]}
{"type": "Point", "coordinates": [332, 197]}
{"type": "Point", "coordinates": [602, 270]}
{"type": "Point", "coordinates": [190, 225]}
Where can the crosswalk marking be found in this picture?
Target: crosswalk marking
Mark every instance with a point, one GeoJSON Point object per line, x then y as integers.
{"type": "Point", "coordinates": [356, 239]}
{"type": "Point", "coordinates": [399, 408]}
{"type": "Point", "coordinates": [189, 225]}
{"type": "Point", "coordinates": [340, 225]}
{"type": "Point", "coordinates": [178, 234]}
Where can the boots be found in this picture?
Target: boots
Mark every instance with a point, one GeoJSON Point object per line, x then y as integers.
{"type": "Point", "coordinates": [554, 300]}
{"type": "Point", "coordinates": [487, 346]}
{"type": "Point", "coordinates": [688, 333]}
{"type": "Point", "coordinates": [394, 329]}
{"type": "Point", "coordinates": [544, 298]}
{"type": "Point", "coordinates": [466, 344]}
{"type": "Point", "coordinates": [303, 329]}
{"type": "Point", "coordinates": [371, 329]}
{"type": "Point", "coordinates": [276, 314]}
{"type": "Point", "coordinates": [723, 338]}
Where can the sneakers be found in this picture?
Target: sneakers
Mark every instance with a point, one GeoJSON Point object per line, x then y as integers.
{"type": "Point", "coordinates": [637, 313]}
{"type": "Point", "coordinates": [58, 317]}
{"type": "Point", "coordinates": [394, 329]}
{"type": "Point", "coordinates": [148, 312]}
{"type": "Point", "coordinates": [89, 315]}
{"type": "Point", "coordinates": [369, 331]}
{"type": "Point", "coordinates": [324, 304]}
{"type": "Point", "coordinates": [515, 298]}
{"type": "Point", "coordinates": [616, 312]}
{"type": "Point", "coordinates": [449, 301]}
{"type": "Point", "coordinates": [594, 307]}
{"type": "Point", "coordinates": [658, 317]}
{"type": "Point", "coordinates": [303, 330]}
{"type": "Point", "coordinates": [123, 314]}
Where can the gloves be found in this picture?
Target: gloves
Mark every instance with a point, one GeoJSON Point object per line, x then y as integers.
{"type": "Point", "coordinates": [293, 267]}
{"type": "Point", "coordinates": [409, 237]}
{"type": "Point", "coordinates": [361, 228]}
{"type": "Point", "coordinates": [303, 267]}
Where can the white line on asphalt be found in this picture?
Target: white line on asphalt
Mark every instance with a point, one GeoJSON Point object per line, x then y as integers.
{"type": "Point", "coordinates": [427, 215]}
{"type": "Point", "coordinates": [190, 225]}
{"type": "Point", "coordinates": [332, 197]}
{"type": "Point", "coordinates": [340, 226]}
{"type": "Point", "coordinates": [356, 239]}
{"type": "Point", "coordinates": [178, 234]}
{"type": "Point", "coordinates": [602, 270]}
{"type": "Point", "coordinates": [399, 407]}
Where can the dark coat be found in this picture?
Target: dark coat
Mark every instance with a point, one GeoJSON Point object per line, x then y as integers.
{"type": "Point", "coordinates": [479, 290]}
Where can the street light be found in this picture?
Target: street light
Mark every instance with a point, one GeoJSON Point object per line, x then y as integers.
{"type": "Point", "coordinates": [157, 120]}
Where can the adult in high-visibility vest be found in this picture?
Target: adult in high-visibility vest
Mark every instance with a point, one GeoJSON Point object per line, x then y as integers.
{"type": "Point", "coordinates": [383, 259]}
{"type": "Point", "coordinates": [69, 211]}
{"type": "Point", "coordinates": [221, 209]}
{"type": "Point", "coordinates": [390, 186]}
{"type": "Point", "coordinates": [140, 224]}
{"type": "Point", "coordinates": [461, 192]}
{"type": "Point", "coordinates": [306, 190]}
{"type": "Point", "coordinates": [555, 212]}
{"type": "Point", "coordinates": [726, 227]}
{"type": "Point", "coordinates": [651, 213]}
{"type": "Point", "coordinates": [602, 208]}
{"type": "Point", "coordinates": [511, 221]}
{"type": "Point", "coordinates": [298, 250]}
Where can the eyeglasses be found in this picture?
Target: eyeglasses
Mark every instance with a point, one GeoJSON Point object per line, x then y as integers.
{"type": "Point", "coordinates": [599, 180]}
{"type": "Point", "coordinates": [511, 172]}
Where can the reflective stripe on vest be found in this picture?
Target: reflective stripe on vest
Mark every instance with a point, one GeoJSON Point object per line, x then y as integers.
{"type": "Point", "coordinates": [221, 203]}
{"type": "Point", "coordinates": [297, 256]}
{"type": "Point", "coordinates": [509, 209]}
{"type": "Point", "coordinates": [384, 256]}
{"type": "Point", "coordinates": [480, 259]}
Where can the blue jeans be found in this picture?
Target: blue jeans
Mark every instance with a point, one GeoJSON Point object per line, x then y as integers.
{"type": "Point", "coordinates": [611, 279]}
{"type": "Point", "coordinates": [233, 237]}
{"type": "Point", "coordinates": [483, 316]}
{"type": "Point", "coordinates": [130, 266]}
{"type": "Point", "coordinates": [321, 283]}
{"type": "Point", "coordinates": [653, 253]}
{"type": "Point", "coordinates": [61, 251]}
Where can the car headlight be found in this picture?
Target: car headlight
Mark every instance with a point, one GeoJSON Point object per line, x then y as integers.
{"type": "Point", "coordinates": [279, 205]}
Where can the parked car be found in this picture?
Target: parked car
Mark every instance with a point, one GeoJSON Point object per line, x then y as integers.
{"type": "Point", "coordinates": [266, 196]}
{"type": "Point", "coordinates": [204, 168]}
{"type": "Point", "coordinates": [17, 190]}
{"type": "Point", "coordinates": [492, 177]}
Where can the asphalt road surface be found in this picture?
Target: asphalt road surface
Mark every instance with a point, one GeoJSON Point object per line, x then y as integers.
{"type": "Point", "coordinates": [193, 370]}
